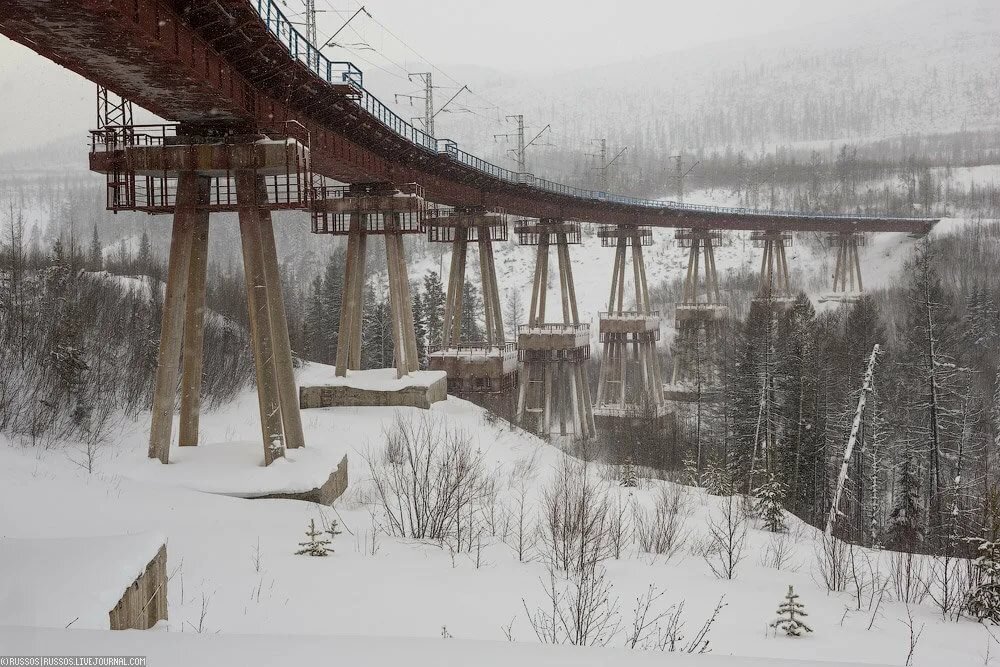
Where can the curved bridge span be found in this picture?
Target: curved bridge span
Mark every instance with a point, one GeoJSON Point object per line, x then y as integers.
{"type": "Point", "coordinates": [241, 62]}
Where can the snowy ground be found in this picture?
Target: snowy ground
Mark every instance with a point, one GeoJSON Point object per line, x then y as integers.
{"type": "Point", "coordinates": [233, 571]}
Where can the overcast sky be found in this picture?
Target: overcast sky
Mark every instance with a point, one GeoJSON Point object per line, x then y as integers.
{"type": "Point", "coordinates": [555, 34]}
{"type": "Point", "coordinates": [41, 99]}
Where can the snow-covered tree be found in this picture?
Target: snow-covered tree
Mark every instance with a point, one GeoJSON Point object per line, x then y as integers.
{"type": "Point", "coordinates": [905, 530]}
{"type": "Point", "coordinates": [513, 312]}
{"type": "Point", "coordinates": [719, 480]}
{"type": "Point", "coordinates": [333, 529]}
{"type": "Point", "coordinates": [433, 303]}
{"type": "Point", "coordinates": [95, 259]}
{"type": "Point", "coordinates": [471, 308]}
{"type": "Point", "coordinates": [628, 476]}
{"type": "Point", "coordinates": [145, 258]}
{"type": "Point", "coordinates": [790, 614]}
{"type": "Point", "coordinates": [377, 345]}
{"type": "Point", "coordinates": [768, 498]}
{"type": "Point", "coordinates": [420, 327]}
{"type": "Point", "coordinates": [983, 601]}
{"type": "Point", "coordinates": [692, 476]}
{"type": "Point", "coordinates": [314, 547]}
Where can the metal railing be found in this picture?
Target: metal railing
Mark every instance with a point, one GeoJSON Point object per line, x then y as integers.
{"type": "Point", "coordinates": [475, 349]}
{"type": "Point", "coordinates": [118, 137]}
{"type": "Point", "coordinates": [630, 315]}
{"type": "Point", "coordinates": [555, 328]}
{"type": "Point", "coordinates": [339, 73]}
{"type": "Point", "coordinates": [129, 190]}
{"type": "Point", "coordinates": [304, 51]}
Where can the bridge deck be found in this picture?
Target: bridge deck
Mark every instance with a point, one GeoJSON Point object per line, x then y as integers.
{"type": "Point", "coordinates": [242, 62]}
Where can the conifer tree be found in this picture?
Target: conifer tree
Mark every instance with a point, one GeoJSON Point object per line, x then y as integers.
{"type": "Point", "coordinates": [471, 306]}
{"type": "Point", "coordinates": [434, 308]}
{"type": "Point", "coordinates": [719, 480]}
{"type": "Point", "coordinates": [314, 324]}
{"type": "Point", "coordinates": [333, 530]}
{"type": "Point", "coordinates": [691, 474]}
{"type": "Point", "coordinates": [983, 601]}
{"type": "Point", "coordinates": [327, 319]}
{"type": "Point", "coordinates": [768, 497]}
{"type": "Point", "coordinates": [628, 476]}
{"type": "Point", "coordinates": [755, 401]}
{"type": "Point", "coordinates": [314, 547]}
{"type": "Point", "coordinates": [96, 258]}
{"type": "Point", "coordinates": [376, 333]}
{"type": "Point", "coordinates": [790, 614]}
{"type": "Point", "coordinates": [145, 257]}
{"type": "Point", "coordinates": [935, 383]}
{"type": "Point", "coordinates": [905, 527]}
{"type": "Point", "coordinates": [797, 368]}
{"type": "Point", "coordinates": [420, 327]}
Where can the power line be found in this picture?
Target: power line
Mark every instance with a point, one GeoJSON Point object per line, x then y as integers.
{"type": "Point", "coordinates": [680, 174]}
{"type": "Point", "coordinates": [491, 104]}
{"type": "Point", "coordinates": [520, 152]}
{"type": "Point", "coordinates": [605, 164]}
{"type": "Point", "coordinates": [341, 28]}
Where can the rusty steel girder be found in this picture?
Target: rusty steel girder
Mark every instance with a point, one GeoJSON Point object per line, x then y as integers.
{"type": "Point", "coordinates": [215, 63]}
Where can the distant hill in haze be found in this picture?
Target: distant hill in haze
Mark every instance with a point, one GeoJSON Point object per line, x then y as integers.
{"type": "Point", "coordinates": [926, 67]}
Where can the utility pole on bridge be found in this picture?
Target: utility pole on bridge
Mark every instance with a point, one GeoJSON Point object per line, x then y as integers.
{"type": "Point", "coordinates": [680, 174]}
{"type": "Point", "coordinates": [428, 98]}
{"type": "Point", "coordinates": [604, 164]}
{"type": "Point", "coordinates": [428, 80]}
{"type": "Point", "coordinates": [520, 153]}
{"type": "Point", "coordinates": [311, 21]}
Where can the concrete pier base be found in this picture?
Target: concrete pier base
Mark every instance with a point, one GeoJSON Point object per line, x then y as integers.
{"type": "Point", "coordinates": [377, 388]}
{"type": "Point", "coordinates": [325, 494]}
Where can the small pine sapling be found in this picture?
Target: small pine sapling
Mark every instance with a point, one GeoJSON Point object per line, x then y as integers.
{"type": "Point", "coordinates": [629, 478]}
{"type": "Point", "coordinates": [790, 615]}
{"type": "Point", "coordinates": [983, 601]}
{"type": "Point", "coordinates": [314, 547]}
{"type": "Point", "coordinates": [768, 504]}
{"type": "Point", "coordinates": [333, 530]}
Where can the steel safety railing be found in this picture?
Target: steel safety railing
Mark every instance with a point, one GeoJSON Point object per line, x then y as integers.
{"type": "Point", "coordinates": [301, 49]}
{"type": "Point", "coordinates": [553, 328]}
{"type": "Point", "coordinates": [340, 73]}
{"type": "Point", "coordinates": [476, 349]}
{"type": "Point", "coordinates": [630, 315]}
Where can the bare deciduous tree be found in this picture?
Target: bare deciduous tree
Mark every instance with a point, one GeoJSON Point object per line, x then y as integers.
{"type": "Point", "coordinates": [727, 537]}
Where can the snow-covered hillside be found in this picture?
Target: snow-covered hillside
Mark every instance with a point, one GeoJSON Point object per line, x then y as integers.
{"type": "Point", "coordinates": [899, 69]}
{"type": "Point", "coordinates": [233, 571]}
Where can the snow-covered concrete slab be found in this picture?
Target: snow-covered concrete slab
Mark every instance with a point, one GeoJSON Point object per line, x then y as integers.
{"type": "Point", "coordinates": [70, 581]}
{"type": "Point", "coordinates": [320, 387]}
{"type": "Point", "coordinates": [382, 379]}
{"type": "Point", "coordinates": [237, 469]}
